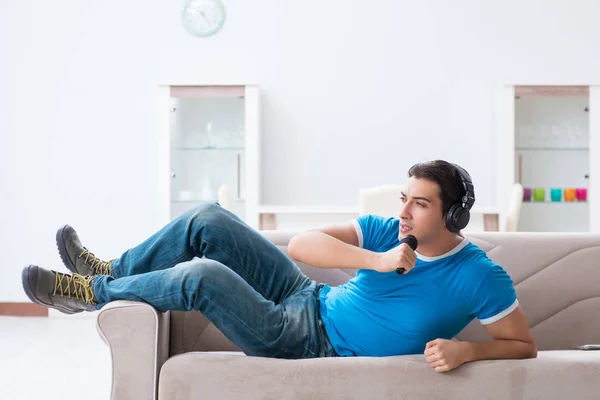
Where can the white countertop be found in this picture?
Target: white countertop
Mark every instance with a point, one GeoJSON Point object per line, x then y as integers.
{"type": "Point", "coordinates": [316, 209]}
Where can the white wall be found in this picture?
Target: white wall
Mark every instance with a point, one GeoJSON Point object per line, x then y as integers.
{"type": "Point", "coordinates": [361, 90]}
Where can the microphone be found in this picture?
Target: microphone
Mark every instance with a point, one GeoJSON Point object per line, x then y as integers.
{"type": "Point", "coordinates": [411, 241]}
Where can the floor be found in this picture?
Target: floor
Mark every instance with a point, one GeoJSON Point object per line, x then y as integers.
{"type": "Point", "coordinates": [53, 358]}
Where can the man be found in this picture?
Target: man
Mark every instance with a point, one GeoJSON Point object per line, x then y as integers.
{"type": "Point", "coordinates": [263, 303]}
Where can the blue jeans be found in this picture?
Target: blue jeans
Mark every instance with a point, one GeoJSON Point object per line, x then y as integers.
{"type": "Point", "coordinates": [245, 285]}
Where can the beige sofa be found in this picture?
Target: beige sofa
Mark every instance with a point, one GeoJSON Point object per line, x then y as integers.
{"type": "Point", "coordinates": [180, 355]}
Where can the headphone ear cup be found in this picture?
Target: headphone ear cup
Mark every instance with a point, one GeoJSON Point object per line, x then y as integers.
{"type": "Point", "coordinates": [462, 219]}
{"type": "Point", "coordinates": [457, 218]}
{"type": "Point", "coordinates": [451, 219]}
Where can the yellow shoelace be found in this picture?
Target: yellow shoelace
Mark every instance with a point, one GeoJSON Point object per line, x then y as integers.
{"type": "Point", "coordinates": [97, 265]}
{"type": "Point", "coordinates": [76, 285]}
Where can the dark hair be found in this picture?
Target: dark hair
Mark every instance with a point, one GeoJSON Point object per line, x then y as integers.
{"type": "Point", "coordinates": [445, 175]}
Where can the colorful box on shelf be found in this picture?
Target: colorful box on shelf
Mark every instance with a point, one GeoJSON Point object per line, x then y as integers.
{"type": "Point", "coordinates": [538, 194]}
{"type": "Point", "coordinates": [569, 194]}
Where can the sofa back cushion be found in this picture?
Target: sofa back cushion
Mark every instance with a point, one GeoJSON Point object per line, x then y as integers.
{"type": "Point", "coordinates": [556, 277]}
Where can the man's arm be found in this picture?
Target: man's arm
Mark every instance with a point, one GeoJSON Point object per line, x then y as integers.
{"type": "Point", "coordinates": [331, 247]}
{"type": "Point", "coordinates": [512, 340]}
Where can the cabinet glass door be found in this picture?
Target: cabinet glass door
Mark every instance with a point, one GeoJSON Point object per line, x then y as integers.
{"type": "Point", "coordinates": [552, 158]}
{"type": "Point", "coordinates": [207, 149]}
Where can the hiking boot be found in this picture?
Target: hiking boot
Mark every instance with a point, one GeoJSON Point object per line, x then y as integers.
{"type": "Point", "coordinates": [77, 258]}
{"type": "Point", "coordinates": [69, 294]}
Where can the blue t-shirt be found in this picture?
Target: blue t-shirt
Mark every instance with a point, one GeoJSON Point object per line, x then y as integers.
{"type": "Point", "coordinates": [384, 314]}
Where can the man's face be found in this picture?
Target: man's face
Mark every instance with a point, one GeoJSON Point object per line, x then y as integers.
{"type": "Point", "coordinates": [421, 214]}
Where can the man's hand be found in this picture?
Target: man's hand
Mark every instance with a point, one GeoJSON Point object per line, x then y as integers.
{"type": "Point", "coordinates": [444, 355]}
{"type": "Point", "coordinates": [399, 257]}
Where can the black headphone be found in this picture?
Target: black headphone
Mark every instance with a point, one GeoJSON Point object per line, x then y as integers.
{"type": "Point", "coordinates": [459, 215]}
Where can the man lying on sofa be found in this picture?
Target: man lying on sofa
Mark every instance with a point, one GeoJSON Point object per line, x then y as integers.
{"type": "Point", "coordinates": [263, 303]}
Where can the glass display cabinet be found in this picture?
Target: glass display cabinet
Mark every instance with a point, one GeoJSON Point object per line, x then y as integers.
{"type": "Point", "coordinates": [209, 148]}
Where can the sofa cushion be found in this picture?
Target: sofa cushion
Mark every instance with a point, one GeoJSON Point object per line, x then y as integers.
{"type": "Point", "coordinates": [554, 374]}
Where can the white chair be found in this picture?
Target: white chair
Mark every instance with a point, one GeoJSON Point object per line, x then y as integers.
{"type": "Point", "coordinates": [381, 200]}
{"type": "Point", "coordinates": [514, 208]}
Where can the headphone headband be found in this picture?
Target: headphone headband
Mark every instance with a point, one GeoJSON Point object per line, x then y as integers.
{"type": "Point", "coordinates": [468, 199]}
{"type": "Point", "coordinates": [459, 214]}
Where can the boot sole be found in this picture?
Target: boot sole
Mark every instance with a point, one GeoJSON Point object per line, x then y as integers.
{"type": "Point", "coordinates": [62, 250]}
{"type": "Point", "coordinates": [30, 292]}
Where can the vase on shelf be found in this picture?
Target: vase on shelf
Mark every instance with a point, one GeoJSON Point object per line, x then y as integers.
{"type": "Point", "coordinates": [225, 198]}
{"type": "Point", "coordinates": [207, 193]}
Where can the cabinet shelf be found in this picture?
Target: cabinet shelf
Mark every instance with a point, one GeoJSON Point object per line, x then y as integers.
{"type": "Point", "coordinates": [209, 148]}
{"type": "Point", "coordinates": [555, 202]}
{"type": "Point", "coordinates": [551, 148]}
{"type": "Point", "coordinates": [201, 201]}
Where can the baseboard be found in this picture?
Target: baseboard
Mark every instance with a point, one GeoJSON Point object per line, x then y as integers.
{"type": "Point", "coordinates": [23, 310]}
{"type": "Point", "coordinates": [86, 314]}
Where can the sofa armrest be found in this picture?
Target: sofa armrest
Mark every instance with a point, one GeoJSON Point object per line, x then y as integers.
{"type": "Point", "coordinates": [138, 338]}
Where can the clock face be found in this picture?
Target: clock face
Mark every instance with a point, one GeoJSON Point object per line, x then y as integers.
{"type": "Point", "coordinates": [203, 17]}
